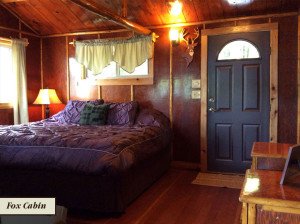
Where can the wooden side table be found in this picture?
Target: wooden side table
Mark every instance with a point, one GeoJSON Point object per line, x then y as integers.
{"type": "Point", "coordinates": [272, 154]}
{"type": "Point", "coordinates": [266, 201]}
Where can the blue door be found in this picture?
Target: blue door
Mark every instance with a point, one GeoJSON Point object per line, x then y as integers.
{"type": "Point", "coordinates": [238, 98]}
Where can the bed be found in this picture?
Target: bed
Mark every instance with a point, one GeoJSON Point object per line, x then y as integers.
{"type": "Point", "coordinates": [99, 168]}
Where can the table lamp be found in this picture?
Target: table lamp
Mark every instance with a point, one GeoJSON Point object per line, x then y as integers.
{"type": "Point", "coordinates": [46, 97]}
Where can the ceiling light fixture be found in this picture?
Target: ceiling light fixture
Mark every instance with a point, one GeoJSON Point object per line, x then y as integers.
{"type": "Point", "coordinates": [176, 8]}
{"type": "Point", "coordinates": [239, 2]}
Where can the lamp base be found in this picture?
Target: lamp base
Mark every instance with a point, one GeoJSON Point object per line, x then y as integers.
{"type": "Point", "coordinates": [47, 112]}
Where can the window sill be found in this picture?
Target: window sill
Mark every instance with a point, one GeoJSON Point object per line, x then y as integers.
{"type": "Point", "coordinates": [127, 81]}
{"type": "Point", "coordinates": [5, 106]}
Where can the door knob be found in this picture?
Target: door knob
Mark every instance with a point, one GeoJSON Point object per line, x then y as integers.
{"type": "Point", "coordinates": [212, 109]}
{"type": "Point", "coordinates": [211, 99]}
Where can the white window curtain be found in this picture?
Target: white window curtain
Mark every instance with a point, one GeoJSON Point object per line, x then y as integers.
{"type": "Point", "coordinates": [94, 54]}
{"type": "Point", "coordinates": [129, 54]}
{"type": "Point", "coordinates": [20, 84]}
{"type": "Point", "coordinates": [134, 52]}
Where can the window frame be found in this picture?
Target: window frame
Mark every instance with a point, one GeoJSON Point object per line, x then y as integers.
{"type": "Point", "coordinates": [6, 105]}
{"type": "Point", "coordinates": [120, 80]}
{"type": "Point", "coordinates": [233, 59]}
{"type": "Point", "coordinates": [128, 80]}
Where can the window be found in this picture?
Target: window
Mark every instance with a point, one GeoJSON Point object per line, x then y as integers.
{"type": "Point", "coordinates": [238, 49]}
{"type": "Point", "coordinates": [6, 76]}
{"type": "Point", "coordinates": [113, 74]}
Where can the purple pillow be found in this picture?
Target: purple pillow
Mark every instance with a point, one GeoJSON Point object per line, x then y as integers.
{"type": "Point", "coordinates": [152, 117]}
{"type": "Point", "coordinates": [122, 113]}
{"type": "Point", "coordinates": [71, 113]}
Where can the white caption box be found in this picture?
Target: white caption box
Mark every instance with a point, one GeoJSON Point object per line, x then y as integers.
{"type": "Point", "coordinates": [27, 206]}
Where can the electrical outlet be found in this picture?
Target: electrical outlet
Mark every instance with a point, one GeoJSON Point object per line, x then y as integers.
{"type": "Point", "coordinates": [196, 94]}
{"type": "Point", "coordinates": [196, 83]}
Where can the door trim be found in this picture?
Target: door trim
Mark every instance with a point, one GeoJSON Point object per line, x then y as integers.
{"type": "Point", "coordinates": [273, 129]}
{"type": "Point", "coordinates": [298, 88]}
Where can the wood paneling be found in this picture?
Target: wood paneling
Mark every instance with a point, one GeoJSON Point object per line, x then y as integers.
{"type": "Point", "coordinates": [287, 80]}
{"type": "Point", "coordinates": [7, 19]}
{"type": "Point", "coordinates": [6, 116]}
{"type": "Point", "coordinates": [62, 16]}
{"type": "Point", "coordinates": [185, 110]}
{"type": "Point", "coordinates": [116, 93]}
{"type": "Point", "coordinates": [33, 77]}
{"type": "Point", "coordinates": [157, 95]}
{"type": "Point", "coordinates": [55, 68]}
{"type": "Point", "coordinates": [298, 116]}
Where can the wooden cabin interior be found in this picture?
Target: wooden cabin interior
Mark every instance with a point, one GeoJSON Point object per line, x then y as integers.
{"type": "Point", "coordinates": [182, 88]}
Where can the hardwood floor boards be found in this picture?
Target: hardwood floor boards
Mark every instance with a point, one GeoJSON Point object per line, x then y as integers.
{"type": "Point", "coordinates": [174, 200]}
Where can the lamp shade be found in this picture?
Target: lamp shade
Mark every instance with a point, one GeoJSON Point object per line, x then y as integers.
{"type": "Point", "coordinates": [47, 96]}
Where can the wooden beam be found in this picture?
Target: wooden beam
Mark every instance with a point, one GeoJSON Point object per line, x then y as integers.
{"type": "Point", "coordinates": [68, 68]}
{"type": "Point", "coordinates": [124, 8]}
{"type": "Point", "coordinates": [240, 29]}
{"type": "Point", "coordinates": [298, 114]}
{"type": "Point", "coordinates": [18, 17]}
{"type": "Point", "coordinates": [86, 33]}
{"type": "Point", "coordinates": [12, 1]}
{"type": "Point", "coordinates": [175, 25]}
{"type": "Point", "coordinates": [106, 13]}
{"type": "Point", "coordinates": [8, 41]}
{"type": "Point", "coordinates": [18, 31]}
{"type": "Point", "coordinates": [273, 123]}
{"type": "Point", "coordinates": [233, 19]}
{"type": "Point", "coordinates": [171, 86]}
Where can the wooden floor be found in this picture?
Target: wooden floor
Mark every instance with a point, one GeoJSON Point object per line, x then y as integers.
{"type": "Point", "coordinates": [173, 199]}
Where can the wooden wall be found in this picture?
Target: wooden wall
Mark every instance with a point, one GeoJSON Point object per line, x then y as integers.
{"type": "Point", "coordinates": [287, 79]}
{"type": "Point", "coordinates": [185, 112]}
{"type": "Point", "coordinates": [7, 20]}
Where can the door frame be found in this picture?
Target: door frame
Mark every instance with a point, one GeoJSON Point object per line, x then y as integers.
{"type": "Point", "coordinates": [273, 123]}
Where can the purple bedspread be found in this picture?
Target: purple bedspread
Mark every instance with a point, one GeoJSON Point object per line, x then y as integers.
{"type": "Point", "coordinates": [50, 145]}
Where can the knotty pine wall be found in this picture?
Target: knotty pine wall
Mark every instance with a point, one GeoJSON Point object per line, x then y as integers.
{"type": "Point", "coordinates": [32, 62]}
{"type": "Point", "coordinates": [185, 111]}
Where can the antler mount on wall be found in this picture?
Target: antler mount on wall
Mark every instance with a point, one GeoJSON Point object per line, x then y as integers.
{"type": "Point", "coordinates": [189, 39]}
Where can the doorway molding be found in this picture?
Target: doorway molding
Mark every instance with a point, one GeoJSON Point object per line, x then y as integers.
{"type": "Point", "coordinates": [273, 123]}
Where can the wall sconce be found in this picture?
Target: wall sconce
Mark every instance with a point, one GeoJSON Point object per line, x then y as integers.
{"type": "Point", "coordinates": [174, 35]}
{"type": "Point", "coordinates": [176, 8]}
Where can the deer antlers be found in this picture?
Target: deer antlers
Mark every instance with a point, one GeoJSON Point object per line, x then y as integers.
{"type": "Point", "coordinates": [190, 41]}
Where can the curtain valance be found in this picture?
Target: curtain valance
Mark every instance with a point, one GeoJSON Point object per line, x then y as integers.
{"type": "Point", "coordinates": [97, 54]}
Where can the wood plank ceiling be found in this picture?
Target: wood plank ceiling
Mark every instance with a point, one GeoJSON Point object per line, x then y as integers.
{"type": "Point", "coordinates": [62, 16]}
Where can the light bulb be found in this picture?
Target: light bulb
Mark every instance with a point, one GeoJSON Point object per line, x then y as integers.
{"type": "Point", "coordinates": [176, 8]}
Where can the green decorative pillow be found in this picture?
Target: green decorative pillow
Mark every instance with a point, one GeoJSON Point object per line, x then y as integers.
{"type": "Point", "coordinates": [94, 114]}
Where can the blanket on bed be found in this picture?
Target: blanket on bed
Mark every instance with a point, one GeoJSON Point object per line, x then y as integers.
{"type": "Point", "coordinates": [50, 145]}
